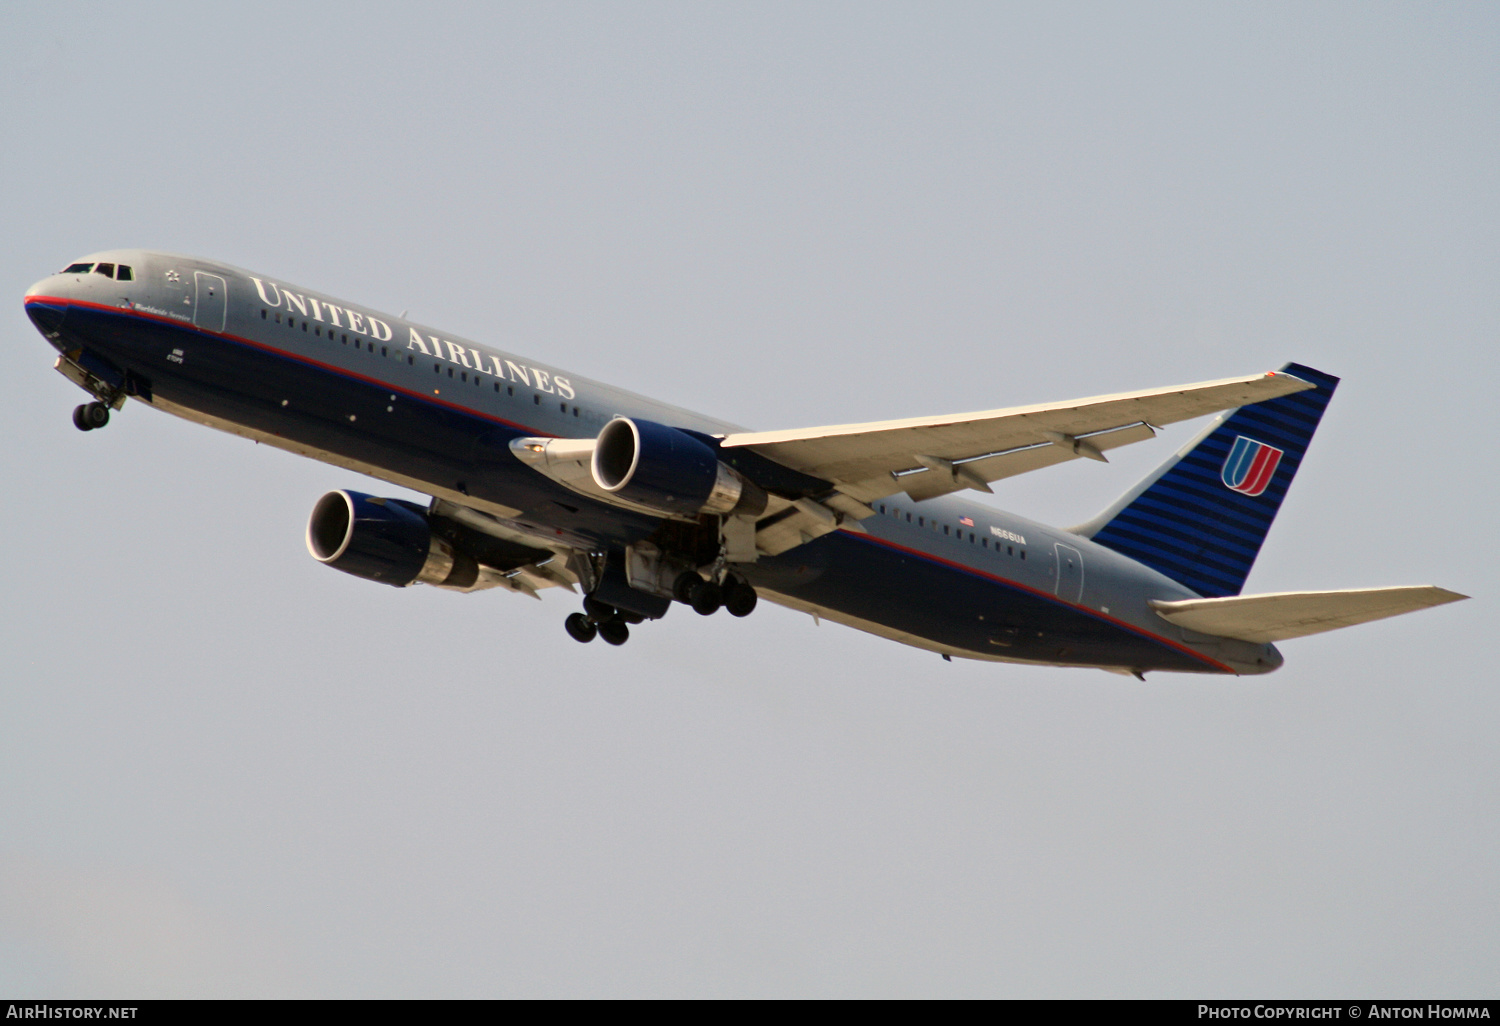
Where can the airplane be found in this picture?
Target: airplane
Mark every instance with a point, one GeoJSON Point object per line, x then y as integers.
{"type": "Point", "coordinates": [542, 479]}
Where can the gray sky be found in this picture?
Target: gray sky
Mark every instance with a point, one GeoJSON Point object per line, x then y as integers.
{"type": "Point", "coordinates": [226, 770]}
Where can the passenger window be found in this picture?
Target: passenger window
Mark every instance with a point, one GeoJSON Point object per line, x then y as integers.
{"type": "Point", "coordinates": [945, 528]}
{"type": "Point", "coordinates": [575, 411]}
{"type": "Point", "coordinates": [537, 399]}
{"type": "Point", "coordinates": [317, 331]}
{"type": "Point", "coordinates": [262, 313]}
{"type": "Point", "coordinates": [510, 389]}
{"type": "Point", "coordinates": [920, 523]}
{"type": "Point", "coordinates": [122, 273]}
{"type": "Point", "coordinates": [108, 270]}
{"type": "Point", "coordinates": [383, 352]}
{"type": "Point", "coordinates": [278, 317]}
{"type": "Point", "coordinates": [497, 388]}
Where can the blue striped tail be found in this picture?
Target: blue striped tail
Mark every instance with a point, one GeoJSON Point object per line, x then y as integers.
{"type": "Point", "coordinates": [1202, 517]}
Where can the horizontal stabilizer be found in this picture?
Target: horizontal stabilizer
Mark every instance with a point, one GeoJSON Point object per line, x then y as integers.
{"type": "Point", "coordinates": [1295, 614]}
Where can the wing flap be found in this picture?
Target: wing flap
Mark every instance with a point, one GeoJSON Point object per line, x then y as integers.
{"type": "Point", "coordinates": [1278, 616]}
{"type": "Point", "coordinates": [934, 481]}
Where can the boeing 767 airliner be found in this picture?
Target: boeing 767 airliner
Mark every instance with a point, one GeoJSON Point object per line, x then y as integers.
{"type": "Point", "coordinates": [541, 478]}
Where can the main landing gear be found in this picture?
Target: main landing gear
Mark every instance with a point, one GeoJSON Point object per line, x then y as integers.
{"type": "Point", "coordinates": [707, 597]}
{"type": "Point", "coordinates": [601, 620]}
{"type": "Point", "coordinates": [90, 416]}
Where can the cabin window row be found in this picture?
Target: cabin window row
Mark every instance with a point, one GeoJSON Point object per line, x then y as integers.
{"type": "Point", "coordinates": [479, 379]}
{"type": "Point", "coordinates": [343, 336]}
{"type": "Point", "coordinates": [437, 368]}
{"type": "Point", "coordinates": [951, 531]}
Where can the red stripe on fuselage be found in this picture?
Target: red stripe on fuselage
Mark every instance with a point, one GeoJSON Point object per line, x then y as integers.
{"type": "Point", "coordinates": [307, 360]}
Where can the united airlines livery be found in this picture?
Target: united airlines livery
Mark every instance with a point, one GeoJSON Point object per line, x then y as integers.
{"type": "Point", "coordinates": [540, 478]}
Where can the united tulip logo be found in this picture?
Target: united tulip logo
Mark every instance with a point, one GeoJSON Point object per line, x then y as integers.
{"type": "Point", "coordinates": [1250, 466]}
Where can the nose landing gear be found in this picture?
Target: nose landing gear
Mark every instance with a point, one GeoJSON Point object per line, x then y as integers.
{"type": "Point", "coordinates": [90, 416]}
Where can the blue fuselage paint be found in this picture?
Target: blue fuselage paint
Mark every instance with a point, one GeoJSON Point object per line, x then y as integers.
{"type": "Point", "coordinates": [434, 412]}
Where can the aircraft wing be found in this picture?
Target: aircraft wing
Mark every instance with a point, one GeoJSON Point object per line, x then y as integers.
{"type": "Point", "coordinates": [928, 456]}
{"type": "Point", "coordinates": [1294, 614]}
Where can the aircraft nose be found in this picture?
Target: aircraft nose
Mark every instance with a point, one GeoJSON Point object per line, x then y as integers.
{"type": "Point", "coordinates": [47, 316]}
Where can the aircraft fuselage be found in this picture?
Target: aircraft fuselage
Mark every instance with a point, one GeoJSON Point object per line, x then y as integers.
{"type": "Point", "coordinates": [429, 411]}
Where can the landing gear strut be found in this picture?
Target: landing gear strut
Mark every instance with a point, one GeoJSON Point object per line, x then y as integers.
{"type": "Point", "coordinates": [90, 416]}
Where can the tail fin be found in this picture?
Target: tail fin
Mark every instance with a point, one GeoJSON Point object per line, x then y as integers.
{"type": "Point", "coordinates": [1201, 517]}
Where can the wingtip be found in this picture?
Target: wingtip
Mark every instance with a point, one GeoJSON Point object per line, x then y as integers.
{"type": "Point", "coordinates": [1284, 375]}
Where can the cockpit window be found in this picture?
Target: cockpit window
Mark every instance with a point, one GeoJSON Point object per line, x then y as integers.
{"type": "Point", "coordinates": [119, 272]}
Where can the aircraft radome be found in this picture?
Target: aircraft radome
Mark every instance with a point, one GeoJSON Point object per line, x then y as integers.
{"type": "Point", "coordinates": [543, 479]}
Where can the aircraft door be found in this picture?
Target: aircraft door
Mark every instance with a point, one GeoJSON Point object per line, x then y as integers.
{"type": "Point", "coordinates": [211, 303]}
{"type": "Point", "coordinates": [1068, 585]}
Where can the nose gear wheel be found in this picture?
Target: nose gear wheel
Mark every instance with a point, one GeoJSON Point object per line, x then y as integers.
{"type": "Point", "coordinates": [90, 416]}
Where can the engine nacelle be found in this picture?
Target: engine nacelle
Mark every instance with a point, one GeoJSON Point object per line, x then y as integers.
{"type": "Point", "coordinates": [663, 468]}
{"type": "Point", "coordinates": [384, 540]}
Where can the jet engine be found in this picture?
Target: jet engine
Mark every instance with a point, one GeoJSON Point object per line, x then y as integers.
{"type": "Point", "coordinates": [662, 468]}
{"type": "Point", "coordinates": [384, 540]}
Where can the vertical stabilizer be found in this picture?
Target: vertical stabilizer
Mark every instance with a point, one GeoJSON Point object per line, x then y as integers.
{"type": "Point", "coordinates": [1201, 517]}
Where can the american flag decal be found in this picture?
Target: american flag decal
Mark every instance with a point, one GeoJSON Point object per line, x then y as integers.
{"type": "Point", "coordinates": [966, 521]}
